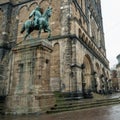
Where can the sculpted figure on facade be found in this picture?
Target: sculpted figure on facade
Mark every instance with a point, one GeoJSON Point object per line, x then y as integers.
{"type": "Point", "coordinates": [36, 14]}
{"type": "Point", "coordinates": [39, 22]}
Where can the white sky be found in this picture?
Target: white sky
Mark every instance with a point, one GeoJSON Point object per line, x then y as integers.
{"type": "Point", "coordinates": [111, 25]}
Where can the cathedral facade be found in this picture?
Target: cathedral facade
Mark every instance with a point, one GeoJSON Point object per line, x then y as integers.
{"type": "Point", "coordinates": [73, 59]}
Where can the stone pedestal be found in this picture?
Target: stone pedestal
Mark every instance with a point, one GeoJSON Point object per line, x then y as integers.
{"type": "Point", "coordinates": [29, 78]}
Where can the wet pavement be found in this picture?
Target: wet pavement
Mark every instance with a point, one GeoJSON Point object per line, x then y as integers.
{"type": "Point", "coordinates": [114, 95]}
{"type": "Point", "coordinates": [100, 113]}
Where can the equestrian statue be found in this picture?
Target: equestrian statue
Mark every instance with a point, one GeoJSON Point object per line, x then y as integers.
{"type": "Point", "coordinates": [40, 21]}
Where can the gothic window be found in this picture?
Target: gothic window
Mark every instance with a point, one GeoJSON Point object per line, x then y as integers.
{"type": "Point", "coordinates": [94, 30]}
{"type": "Point", "coordinates": [23, 16]}
{"type": "Point", "coordinates": [79, 33]}
{"type": "Point", "coordinates": [21, 74]}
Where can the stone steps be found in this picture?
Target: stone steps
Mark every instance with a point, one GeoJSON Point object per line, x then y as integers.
{"type": "Point", "coordinates": [77, 105]}
{"type": "Point", "coordinates": [86, 102]}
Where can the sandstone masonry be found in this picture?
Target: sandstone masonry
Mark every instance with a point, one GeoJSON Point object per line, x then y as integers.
{"type": "Point", "coordinates": [72, 60]}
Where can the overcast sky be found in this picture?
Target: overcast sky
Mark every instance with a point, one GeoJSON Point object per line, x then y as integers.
{"type": "Point", "coordinates": [111, 24]}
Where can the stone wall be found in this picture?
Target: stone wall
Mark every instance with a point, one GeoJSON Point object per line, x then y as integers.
{"type": "Point", "coordinates": [77, 39]}
{"type": "Point", "coordinates": [29, 78]}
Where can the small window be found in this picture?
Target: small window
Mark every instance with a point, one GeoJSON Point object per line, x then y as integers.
{"type": "Point", "coordinates": [47, 61]}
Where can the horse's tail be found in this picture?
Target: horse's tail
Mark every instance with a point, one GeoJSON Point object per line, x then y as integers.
{"type": "Point", "coordinates": [23, 28]}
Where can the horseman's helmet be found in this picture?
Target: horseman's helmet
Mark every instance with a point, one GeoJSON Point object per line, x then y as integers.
{"type": "Point", "coordinates": [38, 8]}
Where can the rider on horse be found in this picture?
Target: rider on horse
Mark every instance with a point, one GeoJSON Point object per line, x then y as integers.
{"type": "Point", "coordinates": [40, 21]}
{"type": "Point", "coordinates": [36, 14]}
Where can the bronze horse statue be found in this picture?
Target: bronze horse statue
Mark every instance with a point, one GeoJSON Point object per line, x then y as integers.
{"type": "Point", "coordinates": [43, 23]}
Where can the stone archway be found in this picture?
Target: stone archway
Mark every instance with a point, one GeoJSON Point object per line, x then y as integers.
{"type": "Point", "coordinates": [87, 72]}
